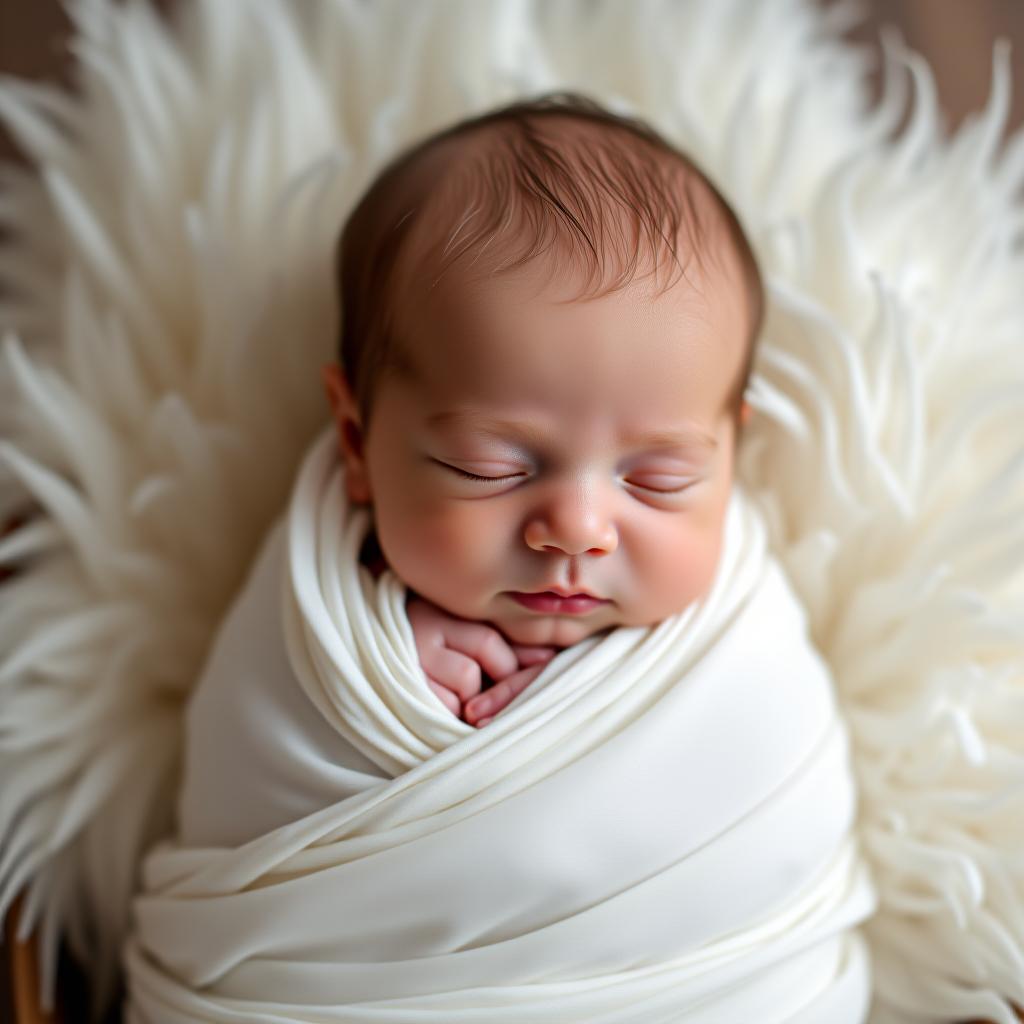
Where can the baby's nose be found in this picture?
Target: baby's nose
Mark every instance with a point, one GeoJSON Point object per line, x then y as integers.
{"type": "Point", "coordinates": [572, 522]}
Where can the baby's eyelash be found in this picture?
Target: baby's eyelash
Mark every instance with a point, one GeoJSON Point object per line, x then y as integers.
{"type": "Point", "coordinates": [485, 479]}
{"type": "Point", "coordinates": [663, 490]}
{"type": "Point", "coordinates": [473, 476]}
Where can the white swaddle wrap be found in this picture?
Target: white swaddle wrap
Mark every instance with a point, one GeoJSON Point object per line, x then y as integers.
{"type": "Point", "coordinates": [658, 829]}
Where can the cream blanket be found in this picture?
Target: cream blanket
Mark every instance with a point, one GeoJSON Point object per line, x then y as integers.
{"type": "Point", "coordinates": [658, 829]}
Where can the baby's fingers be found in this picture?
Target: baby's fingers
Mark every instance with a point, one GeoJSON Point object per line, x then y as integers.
{"type": "Point", "coordinates": [483, 643]}
{"type": "Point", "coordinates": [489, 703]}
{"type": "Point", "coordinates": [453, 670]}
{"type": "Point", "coordinates": [528, 656]}
{"type": "Point", "coordinates": [448, 699]}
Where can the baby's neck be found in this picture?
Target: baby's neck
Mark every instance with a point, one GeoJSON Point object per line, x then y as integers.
{"type": "Point", "coordinates": [371, 555]}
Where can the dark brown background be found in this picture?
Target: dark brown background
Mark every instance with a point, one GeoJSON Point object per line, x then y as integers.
{"type": "Point", "coordinates": [955, 35]}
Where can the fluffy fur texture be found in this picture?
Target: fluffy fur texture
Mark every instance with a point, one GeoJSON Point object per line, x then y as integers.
{"type": "Point", "coordinates": [169, 303]}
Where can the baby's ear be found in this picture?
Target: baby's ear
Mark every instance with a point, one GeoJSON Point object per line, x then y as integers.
{"type": "Point", "coordinates": [745, 412]}
{"type": "Point", "coordinates": [348, 424]}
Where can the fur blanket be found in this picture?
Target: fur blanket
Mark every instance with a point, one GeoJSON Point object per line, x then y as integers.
{"type": "Point", "coordinates": [167, 303]}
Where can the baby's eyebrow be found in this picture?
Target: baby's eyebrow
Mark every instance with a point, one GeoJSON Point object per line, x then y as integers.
{"type": "Point", "coordinates": [687, 437]}
{"type": "Point", "coordinates": [527, 433]}
{"type": "Point", "coordinates": [690, 437]}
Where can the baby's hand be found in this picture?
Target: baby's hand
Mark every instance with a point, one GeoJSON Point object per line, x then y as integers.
{"type": "Point", "coordinates": [531, 660]}
{"type": "Point", "coordinates": [453, 652]}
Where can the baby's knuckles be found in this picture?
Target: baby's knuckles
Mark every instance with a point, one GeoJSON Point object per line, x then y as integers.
{"type": "Point", "coordinates": [465, 679]}
{"type": "Point", "coordinates": [492, 648]}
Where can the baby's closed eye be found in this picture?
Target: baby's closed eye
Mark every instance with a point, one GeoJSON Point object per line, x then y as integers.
{"type": "Point", "coordinates": [486, 474]}
{"type": "Point", "coordinates": [663, 483]}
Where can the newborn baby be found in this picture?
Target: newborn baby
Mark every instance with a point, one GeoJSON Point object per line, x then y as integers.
{"type": "Point", "coordinates": [548, 322]}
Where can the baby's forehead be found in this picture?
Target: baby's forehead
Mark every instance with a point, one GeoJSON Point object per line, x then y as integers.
{"type": "Point", "coordinates": [525, 341]}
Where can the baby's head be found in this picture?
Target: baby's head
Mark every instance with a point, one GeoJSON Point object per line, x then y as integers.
{"type": "Point", "coordinates": [548, 318]}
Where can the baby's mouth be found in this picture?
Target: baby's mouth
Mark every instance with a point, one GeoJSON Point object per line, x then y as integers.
{"type": "Point", "coordinates": [549, 602]}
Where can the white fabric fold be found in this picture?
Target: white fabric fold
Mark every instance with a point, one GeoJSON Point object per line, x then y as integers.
{"type": "Point", "coordinates": [658, 829]}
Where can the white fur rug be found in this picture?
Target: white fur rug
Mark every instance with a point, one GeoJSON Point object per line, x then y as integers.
{"type": "Point", "coordinates": [168, 303]}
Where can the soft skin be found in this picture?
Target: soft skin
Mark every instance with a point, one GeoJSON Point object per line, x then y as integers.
{"type": "Point", "coordinates": [602, 430]}
{"type": "Point", "coordinates": [454, 652]}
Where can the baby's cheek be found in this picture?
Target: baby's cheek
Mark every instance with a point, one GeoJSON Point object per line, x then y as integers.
{"type": "Point", "coordinates": [680, 569]}
{"type": "Point", "coordinates": [459, 531]}
{"type": "Point", "coordinates": [439, 552]}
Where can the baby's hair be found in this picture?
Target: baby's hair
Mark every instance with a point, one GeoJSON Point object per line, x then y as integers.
{"type": "Point", "coordinates": [519, 195]}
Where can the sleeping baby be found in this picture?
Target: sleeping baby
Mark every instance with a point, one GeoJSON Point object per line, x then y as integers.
{"type": "Point", "coordinates": [523, 517]}
{"type": "Point", "coordinates": [548, 322]}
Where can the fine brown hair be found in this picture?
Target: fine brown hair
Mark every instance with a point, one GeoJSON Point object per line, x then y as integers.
{"type": "Point", "coordinates": [612, 197]}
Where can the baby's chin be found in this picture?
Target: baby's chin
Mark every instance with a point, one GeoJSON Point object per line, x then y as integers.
{"type": "Point", "coordinates": [550, 630]}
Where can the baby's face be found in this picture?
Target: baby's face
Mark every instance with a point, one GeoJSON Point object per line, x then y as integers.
{"type": "Point", "coordinates": [554, 449]}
